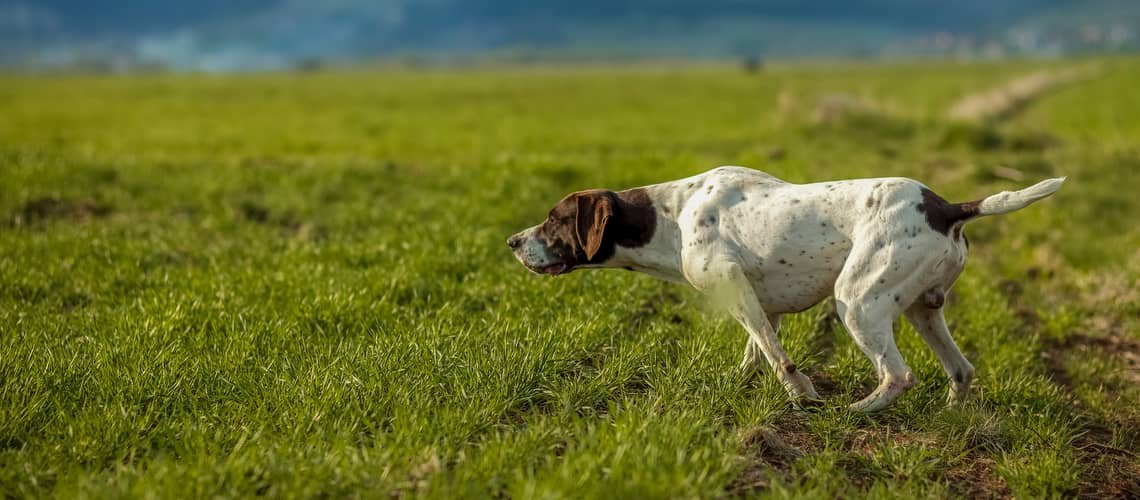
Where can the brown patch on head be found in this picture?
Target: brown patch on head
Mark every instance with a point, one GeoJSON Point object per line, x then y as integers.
{"type": "Point", "coordinates": [586, 226]}
{"type": "Point", "coordinates": [594, 211]}
{"type": "Point", "coordinates": [942, 215]}
{"type": "Point", "coordinates": [559, 234]}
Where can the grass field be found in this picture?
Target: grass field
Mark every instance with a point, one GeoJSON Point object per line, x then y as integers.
{"type": "Point", "coordinates": [296, 285]}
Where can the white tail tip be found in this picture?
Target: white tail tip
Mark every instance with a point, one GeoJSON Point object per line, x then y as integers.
{"type": "Point", "coordinates": [1008, 201]}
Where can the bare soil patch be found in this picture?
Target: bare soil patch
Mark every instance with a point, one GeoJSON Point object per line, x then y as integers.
{"type": "Point", "coordinates": [1108, 470]}
{"type": "Point", "coordinates": [976, 477]}
{"type": "Point", "coordinates": [1112, 345]}
{"type": "Point", "coordinates": [49, 208]}
{"type": "Point", "coordinates": [1006, 100]}
{"type": "Point", "coordinates": [771, 452]}
{"type": "Point", "coordinates": [288, 225]}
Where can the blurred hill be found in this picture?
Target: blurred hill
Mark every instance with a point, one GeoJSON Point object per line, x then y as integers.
{"type": "Point", "coordinates": [231, 35]}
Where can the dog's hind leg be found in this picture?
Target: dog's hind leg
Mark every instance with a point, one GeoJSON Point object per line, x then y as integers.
{"type": "Point", "coordinates": [870, 326]}
{"type": "Point", "coordinates": [870, 293]}
{"type": "Point", "coordinates": [931, 326]}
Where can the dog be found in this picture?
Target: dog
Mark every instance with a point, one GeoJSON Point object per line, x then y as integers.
{"type": "Point", "coordinates": [763, 247]}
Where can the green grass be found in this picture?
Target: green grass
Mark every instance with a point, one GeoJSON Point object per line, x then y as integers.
{"type": "Point", "coordinates": [297, 285]}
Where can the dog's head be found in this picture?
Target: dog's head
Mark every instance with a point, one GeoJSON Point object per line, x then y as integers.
{"type": "Point", "coordinates": [583, 229]}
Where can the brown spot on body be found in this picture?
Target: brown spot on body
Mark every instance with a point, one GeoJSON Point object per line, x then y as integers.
{"type": "Point", "coordinates": [941, 215]}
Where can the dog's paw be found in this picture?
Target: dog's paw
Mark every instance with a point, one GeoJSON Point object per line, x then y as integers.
{"type": "Point", "coordinates": [799, 386]}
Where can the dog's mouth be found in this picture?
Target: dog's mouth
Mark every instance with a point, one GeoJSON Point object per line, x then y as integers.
{"type": "Point", "coordinates": [550, 269]}
{"type": "Point", "coordinates": [554, 269]}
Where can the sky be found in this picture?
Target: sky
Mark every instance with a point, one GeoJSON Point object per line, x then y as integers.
{"type": "Point", "coordinates": [235, 35]}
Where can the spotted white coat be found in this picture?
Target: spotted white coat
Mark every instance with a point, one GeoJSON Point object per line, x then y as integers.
{"type": "Point", "coordinates": [762, 247]}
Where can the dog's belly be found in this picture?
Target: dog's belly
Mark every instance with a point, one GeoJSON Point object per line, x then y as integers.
{"type": "Point", "coordinates": [792, 275]}
{"type": "Point", "coordinates": [793, 251]}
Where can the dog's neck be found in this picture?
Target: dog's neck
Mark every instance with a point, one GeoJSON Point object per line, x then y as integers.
{"type": "Point", "coordinates": [661, 256]}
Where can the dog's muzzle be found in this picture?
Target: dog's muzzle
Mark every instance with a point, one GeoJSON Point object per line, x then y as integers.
{"type": "Point", "coordinates": [535, 256]}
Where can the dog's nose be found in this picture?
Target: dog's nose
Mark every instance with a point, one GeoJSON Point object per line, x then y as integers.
{"type": "Point", "coordinates": [514, 242]}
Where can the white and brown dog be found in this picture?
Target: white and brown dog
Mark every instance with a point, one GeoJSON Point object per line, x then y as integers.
{"type": "Point", "coordinates": [765, 247]}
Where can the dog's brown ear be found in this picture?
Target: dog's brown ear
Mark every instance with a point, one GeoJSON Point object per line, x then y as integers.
{"type": "Point", "coordinates": [594, 210]}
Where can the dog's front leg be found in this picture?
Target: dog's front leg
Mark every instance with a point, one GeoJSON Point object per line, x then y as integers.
{"type": "Point", "coordinates": [754, 361]}
{"type": "Point", "coordinates": [720, 277]}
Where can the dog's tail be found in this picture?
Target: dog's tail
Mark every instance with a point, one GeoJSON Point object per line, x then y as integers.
{"type": "Point", "coordinates": [1009, 201]}
{"type": "Point", "coordinates": [1005, 201]}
